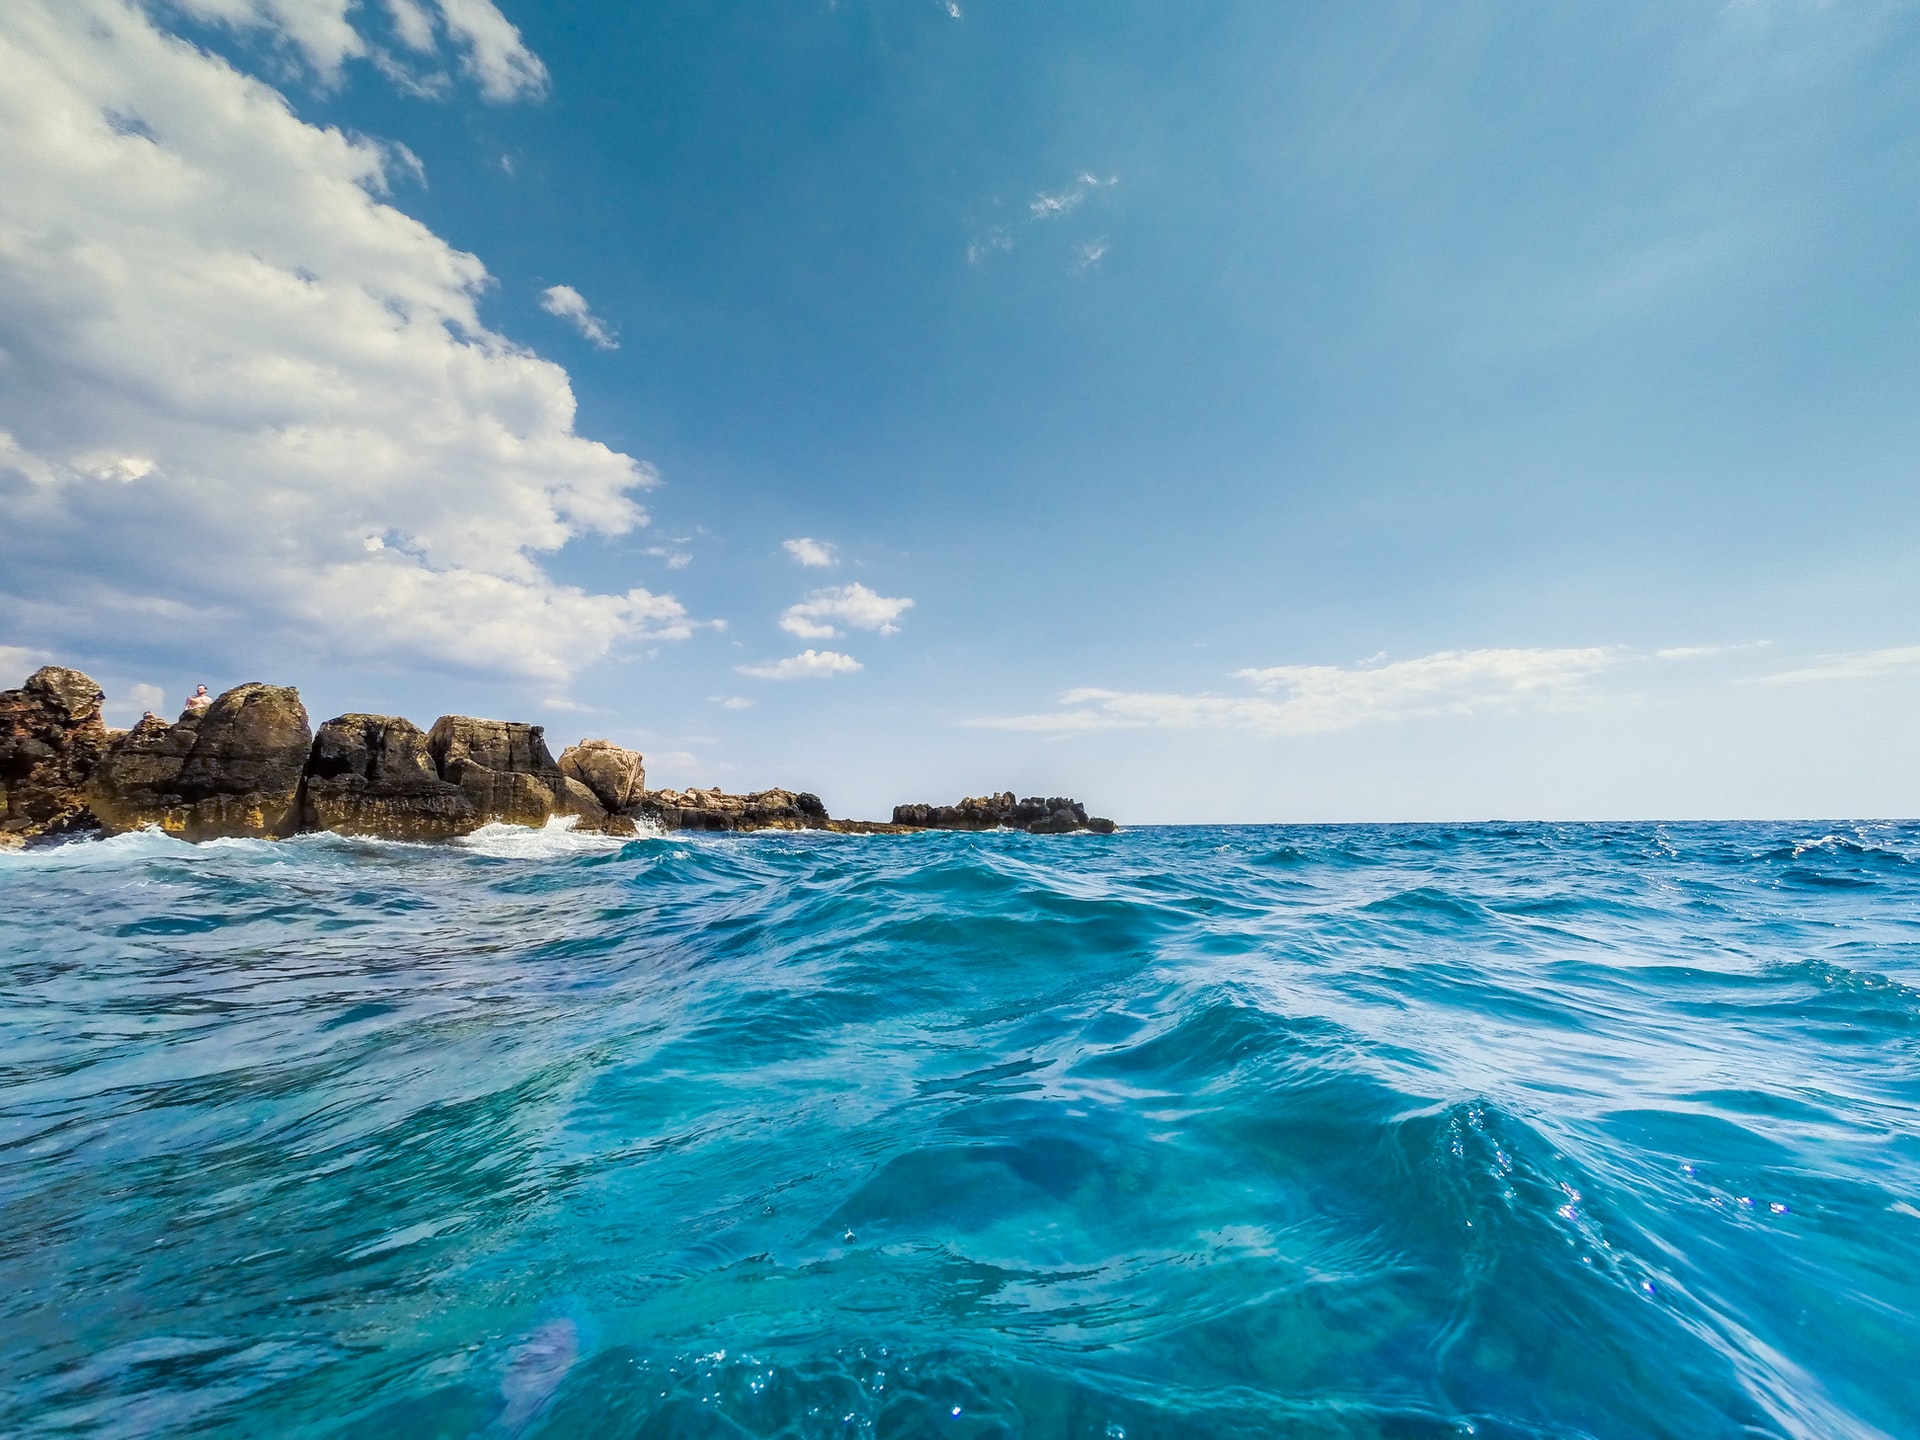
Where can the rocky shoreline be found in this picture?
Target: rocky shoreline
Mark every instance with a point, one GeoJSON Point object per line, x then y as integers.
{"type": "Point", "coordinates": [250, 765]}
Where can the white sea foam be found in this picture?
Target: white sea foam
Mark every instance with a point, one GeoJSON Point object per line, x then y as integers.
{"type": "Point", "coordinates": [555, 840]}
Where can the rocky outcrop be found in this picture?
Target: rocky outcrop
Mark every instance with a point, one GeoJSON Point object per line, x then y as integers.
{"type": "Point", "coordinates": [508, 774]}
{"type": "Point", "coordinates": [504, 767]}
{"type": "Point", "coordinates": [248, 765]}
{"type": "Point", "coordinates": [1056, 815]}
{"type": "Point", "coordinates": [372, 775]}
{"type": "Point", "coordinates": [234, 772]}
{"type": "Point", "coordinates": [617, 777]}
{"type": "Point", "coordinates": [51, 740]}
{"type": "Point", "coordinates": [698, 809]}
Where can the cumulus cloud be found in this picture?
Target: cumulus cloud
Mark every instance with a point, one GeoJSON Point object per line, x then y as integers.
{"type": "Point", "coordinates": [807, 665]}
{"type": "Point", "coordinates": [570, 305]}
{"type": "Point", "coordinates": [1062, 202]}
{"type": "Point", "coordinates": [323, 35]}
{"type": "Point", "coordinates": [241, 395]}
{"type": "Point", "coordinates": [1317, 699]}
{"type": "Point", "coordinates": [804, 550]}
{"type": "Point", "coordinates": [853, 605]}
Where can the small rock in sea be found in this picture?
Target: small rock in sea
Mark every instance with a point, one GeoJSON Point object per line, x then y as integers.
{"type": "Point", "coordinates": [698, 809]}
{"type": "Point", "coordinates": [1053, 816]}
{"type": "Point", "coordinates": [616, 776]}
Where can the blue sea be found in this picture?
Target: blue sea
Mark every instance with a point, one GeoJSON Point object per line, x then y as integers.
{"type": "Point", "coordinates": [1401, 1131]}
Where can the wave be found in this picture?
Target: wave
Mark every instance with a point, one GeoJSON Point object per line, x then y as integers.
{"type": "Point", "coordinates": [1325, 1131]}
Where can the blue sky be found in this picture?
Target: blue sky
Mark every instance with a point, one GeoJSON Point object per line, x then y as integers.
{"type": "Point", "coordinates": [1270, 411]}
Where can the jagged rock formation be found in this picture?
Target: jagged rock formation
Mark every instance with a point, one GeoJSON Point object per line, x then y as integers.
{"type": "Point", "coordinates": [504, 766]}
{"type": "Point", "coordinates": [249, 765]}
{"type": "Point", "coordinates": [373, 775]}
{"type": "Point", "coordinates": [698, 809]}
{"type": "Point", "coordinates": [235, 771]}
{"type": "Point", "coordinates": [617, 777]}
{"type": "Point", "coordinates": [1056, 815]}
{"type": "Point", "coordinates": [51, 738]}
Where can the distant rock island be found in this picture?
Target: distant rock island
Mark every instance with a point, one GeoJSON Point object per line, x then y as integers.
{"type": "Point", "coordinates": [249, 764]}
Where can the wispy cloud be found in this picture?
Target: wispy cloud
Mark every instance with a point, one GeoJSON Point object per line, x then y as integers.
{"type": "Point", "coordinates": [17, 662]}
{"type": "Point", "coordinates": [997, 240]}
{"type": "Point", "coordinates": [807, 665]}
{"type": "Point", "coordinates": [731, 702]}
{"type": "Point", "coordinates": [1317, 699]}
{"type": "Point", "coordinates": [810, 552]}
{"type": "Point", "coordinates": [1708, 652]}
{"type": "Point", "coordinates": [1061, 202]}
{"type": "Point", "coordinates": [570, 305]}
{"type": "Point", "coordinates": [852, 605]}
{"type": "Point", "coordinates": [1085, 257]}
{"type": "Point", "coordinates": [1852, 665]}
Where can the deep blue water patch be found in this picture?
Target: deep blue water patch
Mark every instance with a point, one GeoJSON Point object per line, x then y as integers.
{"type": "Point", "coordinates": [1545, 1130]}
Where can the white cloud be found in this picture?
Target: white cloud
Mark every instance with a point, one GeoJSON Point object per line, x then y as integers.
{"type": "Point", "coordinates": [19, 661]}
{"type": "Point", "coordinates": [807, 665]}
{"type": "Point", "coordinates": [134, 702]}
{"type": "Point", "coordinates": [322, 34]}
{"type": "Point", "coordinates": [1316, 699]}
{"type": "Point", "coordinates": [570, 305]}
{"type": "Point", "coordinates": [1049, 207]}
{"type": "Point", "coordinates": [1085, 257]}
{"type": "Point", "coordinates": [1707, 652]}
{"type": "Point", "coordinates": [241, 396]}
{"type": "Point", "coordinates": [853, 605]}
{"type": "Point", "coordinates": [492, 50]}
{"type": "Point", "coordinates": [995, 240]}
{"type": "Point", "coordinates": [804, 550]}
{"type": "Point", "coordinates": [1854, 665]}
{"type": "Point", "coordinates": [731, 702]}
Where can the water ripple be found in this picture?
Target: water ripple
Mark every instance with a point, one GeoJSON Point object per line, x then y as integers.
{"type": "Point", "coordinates": [1517, 1130]}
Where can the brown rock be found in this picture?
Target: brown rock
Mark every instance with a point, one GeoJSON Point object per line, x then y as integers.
{"type": "Point", "coordinates": [617, 777]}
{"type": "Point", "coordinates": [1055, 815]}
{"type": "Point", "coordinates": [698, 809]}
{"type": "Point", "coordinates": [51, 740]}
{"type": "Point", "coordinates": [234, 772]}
{"type": "Point", "coordinates": [504, 766]}
{"type": "Point", "coordinates": [372, 775]}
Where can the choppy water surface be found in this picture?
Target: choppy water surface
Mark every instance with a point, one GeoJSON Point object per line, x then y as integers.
{"type": "Point", "coordinates": [1412, 1131]}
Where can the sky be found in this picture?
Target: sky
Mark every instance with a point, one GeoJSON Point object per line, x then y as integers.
{"type": "Point", "coordinates": [1214, 411]}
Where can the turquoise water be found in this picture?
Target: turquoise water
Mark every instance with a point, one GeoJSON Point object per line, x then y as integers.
{"type": "Point", "coordinates": [1536, 1130]}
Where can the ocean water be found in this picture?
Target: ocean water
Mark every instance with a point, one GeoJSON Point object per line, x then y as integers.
{"type": "Point", "coordinates": [1531, 1130]}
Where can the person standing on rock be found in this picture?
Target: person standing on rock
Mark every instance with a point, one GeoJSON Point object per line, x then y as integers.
{"type": "Point", "coordinates": [198, 704]}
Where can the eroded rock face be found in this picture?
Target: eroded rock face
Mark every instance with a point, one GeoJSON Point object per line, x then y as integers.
{"type": "Point", "coordinates": [1055, 815]}
{"type": "Point", "coordinates": [51, 740]}
{"type": "Point", "coordinates": [698, 809]}
{"type": "Point", "coordinates": [504, 766]}
{"type": "Point", "coordinates": [617, 777]}
{"type": "Point", "coordinates": [372, 775]}
{"type": "Point", "coordinates": [235, 772]}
